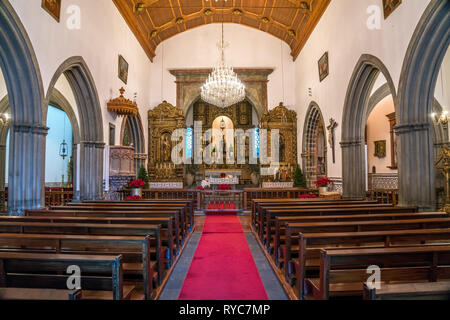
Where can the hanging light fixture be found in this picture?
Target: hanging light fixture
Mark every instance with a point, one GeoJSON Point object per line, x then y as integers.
{"type": "Point", "coordinates": [223, 87]}
{"type": "Point", "coordinates": [63, 149]}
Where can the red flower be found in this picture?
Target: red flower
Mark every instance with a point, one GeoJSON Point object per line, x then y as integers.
{"type": "Point", "coordinates": [223, 175]}
{"type": "Point", "coordinates": [133, 198]}
{"type": "Point", "coordinates": [137, 183]}
{"type": "Point", "coordinates": [307, 196]}
{"type": "Point", "coordinates": [225, 187]}
{"type": "Point", "coordinates": [323, 182]}
{"type": "Point", "coordinates": [200, 188]}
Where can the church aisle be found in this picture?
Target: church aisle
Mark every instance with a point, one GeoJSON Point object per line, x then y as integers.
{"type": "Point", "coordinates": [223, 267]}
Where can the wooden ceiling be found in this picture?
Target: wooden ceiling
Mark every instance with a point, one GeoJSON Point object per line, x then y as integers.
{"type": "Point", "coordinates": [153, 21]}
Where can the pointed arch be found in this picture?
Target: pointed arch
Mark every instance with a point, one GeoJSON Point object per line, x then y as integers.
{"type": "Point", "coordinates": [356, 112]}
{"type": "Point", "coordinates": [421, 65]}
{"type": "Point", "coordinates": [314, 122]}
{"type": "Point", "coordinates": [26, 95]}
{"type": "Point", "coordinates": [137, 137]}
{"type": "Point", "coordinates": [88, 154]}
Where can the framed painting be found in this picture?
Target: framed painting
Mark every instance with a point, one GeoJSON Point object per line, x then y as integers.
{"type": "Point", "coordinates": [324, 69]}
{"type": "Point", "coordinates": [380, 149]}
{"type": "Point", "coordinates": [123, 69]}
{"type": "Point", "coordinates": [389, 6]}
{"type": "Point", "coordinates": [53, 7]}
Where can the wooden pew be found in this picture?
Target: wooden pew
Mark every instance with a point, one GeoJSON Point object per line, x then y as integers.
{"type": "Point", "coordinates": [135, 251]}
{"type": "Point", "coordinates": [182, 209]}
{"type": "Point", "coordinates": [39, 294]}
{"type": "Point", "coordinates": [272, 213]}
{"type": "Point", "coordinates": [130, 212]}
{"type": "Point", "coordinates": [280, 223]}
{"type": "Point", "coordinates": [189, 203]}
{"type": "Point", "coordinates": [311, 244]}
{"type": "Point", "coordinates": [179, 240]}
{"type": "Point", "coordinates": [409, 291]}
{"type": "Point", "coordinates": [258, 204]}
{"type": "Point", "coordinates": [343, 272]}
{"type": "Point", "coordinates": [168, 234]}
{"type": "Point", "coordinates": [98, 273]}
{"type": "Point", "coordinates": [355, 226]}
{"type": "Point", "coordinates": [94, 229]}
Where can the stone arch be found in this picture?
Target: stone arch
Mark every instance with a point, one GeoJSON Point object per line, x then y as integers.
{"type": "Point", "coordinates": [25, 93]}
{"type": "Point", "coordinates": [137, 136]}
{"type": "Point", "coordinates": [313, 121]}
{"type": "Point", "coordinates": [88, 154]}
{"type": "Point", "coordinates": [423, 59]}
{"type": "Point", "coordinates": [356, 112]}
{"type": "Point", "coordinates": [58, 100]}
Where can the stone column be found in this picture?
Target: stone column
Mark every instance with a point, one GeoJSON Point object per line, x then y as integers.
{"type": "Point", "coordinates": [26, 168]}
{"type": "Point", "coordinates": [416, 166]}
{"type": "Point", "coordinates": [2, 167]}
{"type": "Point", "coordinates": [91, 170]}
{"type": "Point", "coordinates": [76, 174]}
{"type": "Point", "coordinates": [353, 169]}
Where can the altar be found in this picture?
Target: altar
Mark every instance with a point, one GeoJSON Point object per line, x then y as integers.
{"type": "Point", "coordinates": [218, 177]}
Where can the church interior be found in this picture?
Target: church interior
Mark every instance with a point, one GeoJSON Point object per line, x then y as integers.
{"type": "Point", "coordinates": [223, 150]}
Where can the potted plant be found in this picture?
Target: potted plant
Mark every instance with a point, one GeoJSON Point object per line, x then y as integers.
{"type": "Point", "coordinates": [299, 178]}
{"type": "Point", "coordinates": [143, 175]}
{"type": "Point", "coordinates": [323, 184]}
{"type": "Point", "coordinates": [255, 171]}
{"type": "Point", "coordinates": [191, 170]}
{"type": "Point", "coordinates": [136, 187]}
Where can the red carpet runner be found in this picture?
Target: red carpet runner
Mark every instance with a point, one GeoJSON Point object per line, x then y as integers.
{"type": "Point", "coordinates": [223, 267]}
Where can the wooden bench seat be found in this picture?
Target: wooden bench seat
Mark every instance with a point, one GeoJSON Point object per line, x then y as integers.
{"type": "Point", "coordinates": [168, 234]}
{"type": "Point", "coordinates": [102, 274]}
{"type": "Point", "coordinates": [343, 272]}
{"type": "Point", "coordinates": [95, 229]}
{"type": "Point", "coordinates": [278, 235]}
{"type": "Point", "coordinates": [116, 214]}
{"type": "Point", "coordinates": [293, 229]}
{"type": "Point", "coordinates": [409, 291]}
{"type": "Point", "coordinates": [269, 215]}
{"type": "Point", "coordinates": [38, 294]}
{"type": "Point", "coordinates": [311, 245]}
{"type": "Point", "coordinates": [137, 209]}
{"type": "Point", "coordinates": [135, 251]}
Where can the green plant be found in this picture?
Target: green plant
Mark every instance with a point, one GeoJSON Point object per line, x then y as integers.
{"type": "Point", "coordinates": [299, 178]}
{"type": "Point", "coordinates": [191, 169]}
{"type": "Point", "coordinates": [143, 175]}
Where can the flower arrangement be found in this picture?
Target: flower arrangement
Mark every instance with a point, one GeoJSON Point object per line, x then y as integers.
{"type": "Point", "coordinates": [307, 196]}
{"type": "Point", "coordinates": [225, 187]}
{"type": "Point", "coordinates": [200, 188]}
{"type": "Point", "coordinates": [322, 183]}
{"type": "Point", "coordinates": [223, 175]}
{"type": "Point", "coordinates": [133, 198]}
{"type": "Point", "coordinates": [138, 183]}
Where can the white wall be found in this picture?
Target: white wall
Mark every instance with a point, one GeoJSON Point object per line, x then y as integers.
{"type": "Point", "coordinates": [103, 36]}
{"type": "Point", "coordinates": [2, 86]}
{"type": "Point", "coordinates": [343, 32]}
{"type": "Point", "coordinates": [442, 91]}
{"type": "Point", "coordinates": [378, 128]}
{"type": "Point", "coordinates": [248, 48]}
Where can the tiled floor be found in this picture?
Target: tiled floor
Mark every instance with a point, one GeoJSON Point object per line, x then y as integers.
{"type": "Point", "coordinates": [175, 282]}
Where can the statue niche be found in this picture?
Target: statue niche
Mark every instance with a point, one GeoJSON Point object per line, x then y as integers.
{"type": "Point", "coordinates": [284, 120]}
{"type": "Point", "coordinates": [162, 121]}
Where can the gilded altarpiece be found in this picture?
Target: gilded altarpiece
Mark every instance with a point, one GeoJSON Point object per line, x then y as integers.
{"type": "Point", "coordinates": [241, 115]}
{"type": "Point", "coordinates": [284, 120]}
{"type": "Point", "coordinates": [162, 121]}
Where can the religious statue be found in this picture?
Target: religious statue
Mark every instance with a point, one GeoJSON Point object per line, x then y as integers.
{"type": "Point", "coordinates": [331, 138]}
{"type": "Point", "coordinates": [443, 164]}
{"type": "Point", "coordinates": [166, 149]}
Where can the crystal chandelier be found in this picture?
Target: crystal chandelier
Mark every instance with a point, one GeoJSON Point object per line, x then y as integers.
{"type": "Point", "coordinates": [223, 88]}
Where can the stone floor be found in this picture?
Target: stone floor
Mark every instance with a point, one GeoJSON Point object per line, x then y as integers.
{"type": "Point", "coordinates": [271, 284]}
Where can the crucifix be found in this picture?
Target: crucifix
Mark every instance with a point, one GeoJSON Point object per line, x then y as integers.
{"type": "Point", "coordinates": [331, 138]}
